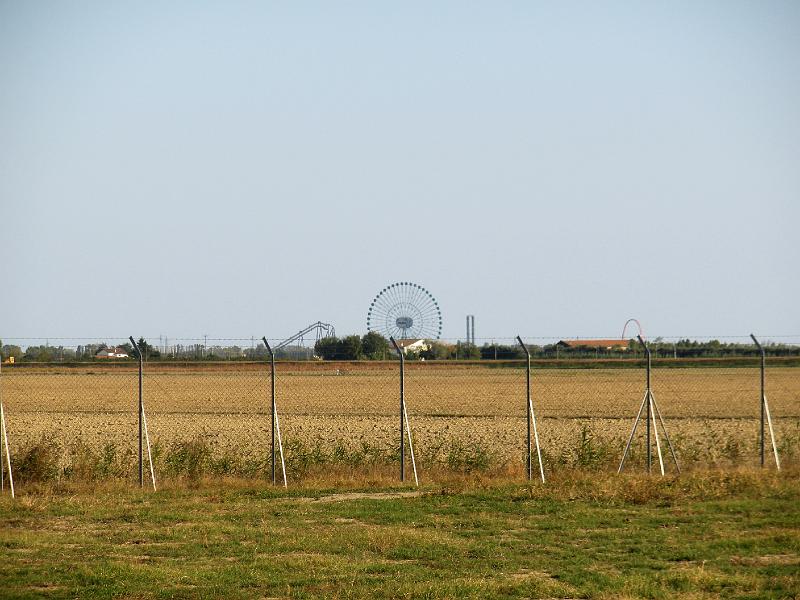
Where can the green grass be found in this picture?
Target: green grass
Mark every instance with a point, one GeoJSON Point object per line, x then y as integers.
{"type": "Point", "coordinates": [706, 534]}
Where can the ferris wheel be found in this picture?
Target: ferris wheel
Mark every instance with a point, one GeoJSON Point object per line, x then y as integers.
{"type": "Point", "coordinates": [404, 311]}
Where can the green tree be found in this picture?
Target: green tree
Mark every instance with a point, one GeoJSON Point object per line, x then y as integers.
{"type": "Point", "coordinates": [437, 351]}
{"type": "Point", "coordinates": [467, 351]}
{"type": "Point", "coordinates": [501, 352]}
{"type": "Point", "coordinates": [147, 350]}
{"type": "Point", "coordinates": [38, 354]}
{"type": "Point", "coordinates": [347, 348]}
{"type": "Point", "coordinates": [8, 351]}
{"type": "Point", "coordinates": [257, 353]}
{"type": "Point", "coordinates": [350, 348]}
{"type": "Point", "coordinates": [375, 346]}
{"type": "Point", "coordinates": [327, 348]}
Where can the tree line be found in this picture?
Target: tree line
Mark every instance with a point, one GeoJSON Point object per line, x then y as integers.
{"type": "Point", "coordinates": [374, 346]}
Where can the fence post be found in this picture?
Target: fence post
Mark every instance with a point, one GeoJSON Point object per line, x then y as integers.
{"type": "Point", "coordinates": [8, 451]}
{"type": "Point", "coordinates": [272, 402]}
{"type": "Point", "coordinates": [763, 368]}
{"type": "Point", "coordinates": [765, 409]}
{"type": "Point", "coordinates": [531, 418]}
{"type": "Point", "coordinates": [141, 410]}
{"type": "Point", "coordinates": [528, 465]}
{"type": "Point", "coordinates": [649, 407]}
{"type": "Point", "coordinates": [652, 412]}
{"type": "Point", "coordinates": [143, 426]}
{"type": "Point", "coordinates": [2, 466]}
{"type": "Point", "coordinates": [4, 444]}
{"type": "Point", "coordinates": [276, 423]}
{"type": "Point", "coordinates": [402, 407]}
{"type": "Point", "coordinates": [527, 408]}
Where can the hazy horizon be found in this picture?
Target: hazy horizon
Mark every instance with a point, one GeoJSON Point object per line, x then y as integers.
{"type": "Point", "coordinates": [247, 169]}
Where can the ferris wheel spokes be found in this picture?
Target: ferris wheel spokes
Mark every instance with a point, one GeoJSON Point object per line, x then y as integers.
{"type": "Point", "coordinates": [405, 310]}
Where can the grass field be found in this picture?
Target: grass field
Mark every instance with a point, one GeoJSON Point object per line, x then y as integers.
{"type": "Point", "coordinates": [464, 417]}
{"type": "Point", "coordinates": [583, 535]}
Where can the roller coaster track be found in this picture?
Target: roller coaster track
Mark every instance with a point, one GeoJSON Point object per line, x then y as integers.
{"type": "Point", "coordinates": [321, 330]}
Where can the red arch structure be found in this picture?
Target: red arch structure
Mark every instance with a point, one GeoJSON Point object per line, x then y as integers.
{"type": "Point", "coordinates": [638, 325]}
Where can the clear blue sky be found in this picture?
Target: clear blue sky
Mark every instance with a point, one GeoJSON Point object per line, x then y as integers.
{"type": "Point", "coordinates": [247, 168]}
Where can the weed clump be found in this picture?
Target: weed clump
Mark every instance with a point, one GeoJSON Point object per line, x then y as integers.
{"type": "Point", "coordinates": [188, 459]}
{"type": "Point", "coordinates": [37, 461]}
{"type": "Point", "coordinates": [89, 464]}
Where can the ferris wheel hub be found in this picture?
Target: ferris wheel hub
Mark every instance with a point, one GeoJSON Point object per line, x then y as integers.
{"type": "Point", "coordinates": [404, 322]}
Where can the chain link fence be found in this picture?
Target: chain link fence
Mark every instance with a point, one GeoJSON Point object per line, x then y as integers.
{"type": "Point", "coordinates": [68, 418]}
{"type": "Point", "coordinates": [468, 416]}
{"type": "Point", "coordinates": [214, 417]}
{"type": "Point", "coordinates": [338, 414]}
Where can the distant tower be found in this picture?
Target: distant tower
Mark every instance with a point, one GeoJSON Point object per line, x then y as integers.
{"type": "Point", "coordinates": [471, 329]}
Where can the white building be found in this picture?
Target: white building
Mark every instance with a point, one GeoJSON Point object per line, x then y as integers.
{"type": "Point", "coordinates": [113, 352]}
{"type": "Point", "coordinates": [418, 345]}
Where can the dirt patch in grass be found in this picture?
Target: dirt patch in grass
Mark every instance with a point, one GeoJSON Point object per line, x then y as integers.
{"type": "Point", "coordinates": [363, 496]}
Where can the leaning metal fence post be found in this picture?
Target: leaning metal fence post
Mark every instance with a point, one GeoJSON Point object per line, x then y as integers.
{"type": "Point", "coordinates": [2, 467]}
{"type": "Point", "coordinates": [765, 408]}
{"type": "Point", "coordinates": [402, 406]}
{"type": "Point", "coordinates": [272, 404]}
{"type": "Point", "coordinates": [763, 365]}
{"type": "Point", "coordinates": [141, 409]}
{"type": "Point", "coordinates": [531, 417]}
{"type": "Point", "coordinates": [7, 451]}
{"type": "Point", "coordinates": [276, 426]}
{"type": "Point", "coordinates": [404, 419]}
{"type": "Point", "coordinates": [528, 465]}
{"type": "Point", "coordinates": [649, 403]}
{"type": "Point", "coordinates": [143, 424]}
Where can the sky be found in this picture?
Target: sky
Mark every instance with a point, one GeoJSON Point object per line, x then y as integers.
{"type": "Point", "coordinates": [241, 169]}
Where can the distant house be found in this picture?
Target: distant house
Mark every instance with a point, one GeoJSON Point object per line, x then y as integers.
{"type": "Point", "coordinates": [113, 352]}
{"type": "Point", "coordinates": [593, 344]}
{"type": "Point", "coordinates": [413, 345]}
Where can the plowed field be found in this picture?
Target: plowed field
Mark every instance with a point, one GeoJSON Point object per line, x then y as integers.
{"type": "Point", "coordinates": [711, 413]}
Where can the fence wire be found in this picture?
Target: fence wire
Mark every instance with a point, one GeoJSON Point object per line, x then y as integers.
{"type": "Point", "coordinates": [215, 416]}
{"type": "Point", "coordinates": [209, 415]}
{"type": "Point", "coordinates": [75, 415]}
{"type": "Point", "coordinates": [467, 416]}
{"type": "Point", "coordinates": [342, 413]}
